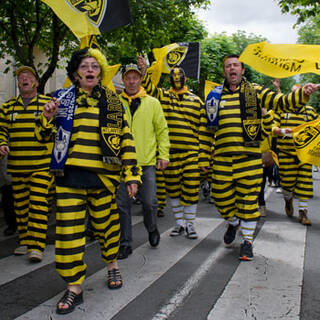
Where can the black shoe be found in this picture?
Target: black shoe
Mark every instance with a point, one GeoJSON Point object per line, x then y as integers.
{"type": "Point", "coordinates": [177, 231]}
{"type": "Point", "coordinates": [124, 252]}
{"type": "Point", "coordinates": [160, 213]}
{"type": "Point", "coordinates": [230, 234]}
{"type": "Point", "coordinates": [9, 231]}
{"type": "Point", "coordinates": [246, 253]}
{"type": "Point", "coordinates": [154, 238]}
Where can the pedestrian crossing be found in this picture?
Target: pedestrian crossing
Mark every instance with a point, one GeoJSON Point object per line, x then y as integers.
{"type": "Point", "coordinates": [181, 279]}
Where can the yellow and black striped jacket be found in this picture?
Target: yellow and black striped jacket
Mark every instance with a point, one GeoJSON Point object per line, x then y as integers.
{"type": "Point", "coordinates": [229, 136]}
{"type": "Point", "coordinates": [84, 147]}
{"type": "Point", "coordinates": [186, 118]}
{"type": "Point", "coordinates": [292, 120]}
{"type": "Point", "coordinates": [17, 126]}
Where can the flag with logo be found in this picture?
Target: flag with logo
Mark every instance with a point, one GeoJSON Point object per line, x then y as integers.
{"type": "Point", "coordinates": [86, 17]}
{"type": "Point", "coordinates": [306, 139]}
{"type": "Point", "coordinates": [209, 86]}
{"type": "Point", "coordinates": [282, 60]}
{"type": "Point", "coordinates": [183, 54]}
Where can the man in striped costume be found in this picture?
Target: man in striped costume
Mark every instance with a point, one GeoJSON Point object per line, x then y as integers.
{"type": "Point", "coordinates": [295, 176]}
{"type": "Point", "coordinates": [190, 146]}
{"type": "Point", "coordinates": [93, 147]}
{"type": "Point", "coordinates": [237, 167]}
{"type": "Point", "coordinates": [28, 163]}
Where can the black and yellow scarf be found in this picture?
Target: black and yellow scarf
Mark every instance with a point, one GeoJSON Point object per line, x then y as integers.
{"type": "Point", "coordinates": [250, 114]}
{"type": "Point", "coordinates": [110, 120]}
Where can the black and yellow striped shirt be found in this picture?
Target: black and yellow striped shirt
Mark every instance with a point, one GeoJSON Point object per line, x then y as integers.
{"type": "Point", "coordinates": [17, 126]}
{"type": "Point", "coordinates": [84, 148]}
{"type": "Point", "coordinates": [186, 118]}
{"type": "Point", "coordinates": [229, 136]}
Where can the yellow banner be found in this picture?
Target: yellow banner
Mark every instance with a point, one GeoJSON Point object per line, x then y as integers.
{"type": "Point", "coordinates": [282, 60]}
{"type": "Point", "coordinates": [306, 138]}
{"type": "Point", "coordinates": [208, 86]}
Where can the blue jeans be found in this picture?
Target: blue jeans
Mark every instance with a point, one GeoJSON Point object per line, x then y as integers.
{"type": "Point", "coordinates": [147, 196]}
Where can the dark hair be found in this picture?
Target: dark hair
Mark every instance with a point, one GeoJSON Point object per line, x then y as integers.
{"type": "Point", "coordinates": [232, 55]}
{"type": "Point", "coordinates": [76, 58]}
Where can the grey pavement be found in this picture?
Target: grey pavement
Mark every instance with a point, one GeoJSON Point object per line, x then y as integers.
{"type": "Point", "coordinates": [182, 278]}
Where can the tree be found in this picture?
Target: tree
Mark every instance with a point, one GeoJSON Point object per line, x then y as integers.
{"type": "Point", "coordinates": [26, 25]}
{"type": "Point", "coordinates": [29, 24]}
{"type": "Point", "coordinates": [309, 33]}
{"type": "Point", "coordinates": [303, 9]}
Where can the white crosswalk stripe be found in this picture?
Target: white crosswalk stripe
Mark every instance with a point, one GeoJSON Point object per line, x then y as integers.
{"type": "Point", "coordinates": [269, 287]}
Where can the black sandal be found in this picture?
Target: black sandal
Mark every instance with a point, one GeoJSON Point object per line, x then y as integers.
{"type": "Point", "coordinates": [114, 279]}
{"type": "Point", "coordinates": [71, 299]}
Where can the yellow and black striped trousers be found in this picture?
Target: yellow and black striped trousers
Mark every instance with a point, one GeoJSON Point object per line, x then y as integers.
{"type": "Point", "coordinates": [31, 194]}
{"type": "Point", "coordinates": [236, 183]}
{"type": "Point", "coordinates": [161, 189]}
{"type": "Point", "coordinates": [72, 205]}
{"type": "Point", "coordinates": [182, 177]}
{"type": "Point", "coordinates": [295, 177]}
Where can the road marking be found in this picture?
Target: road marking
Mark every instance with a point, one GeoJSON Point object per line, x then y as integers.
{"type": "Point", "coordinates": [13, 267]}
{"type": "Point", "coordinates": [139, 271]}
{"type": "Point", "coordinates": [269, 287]}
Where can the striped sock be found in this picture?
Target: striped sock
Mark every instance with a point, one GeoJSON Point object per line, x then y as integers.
{"type": "Point", "coordinates": [247, 230]}
{"type": "Point", "coordinates": [177, 210]}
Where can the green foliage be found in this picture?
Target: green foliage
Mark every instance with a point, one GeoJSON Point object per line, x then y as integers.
{"type": "Point", "coordinates": [302, 9]}
{"type": "Point", "coordinates": [27, 25]}
{"type": "Point", "coordinates": [309, 33]}
{"type": "Point", "coordinates": [155, 24]}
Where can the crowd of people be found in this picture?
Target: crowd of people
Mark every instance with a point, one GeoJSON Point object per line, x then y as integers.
{"type": "Point", "coordinates": [94, 152]}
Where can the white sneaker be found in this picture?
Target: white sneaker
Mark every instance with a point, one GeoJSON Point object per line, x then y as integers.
{"type": "Point", "coordinates": [191, 232]}
{"type": "Point", "coordinates": [21, 250]}
{"type": "Point", "coordinates": [35, 256]}
{"type": "Point", "coordinates": [279, 190]}
{"type": "Point", "coordinates": [263, 211]}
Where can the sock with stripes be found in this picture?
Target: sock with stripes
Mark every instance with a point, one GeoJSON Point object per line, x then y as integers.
{"type": "Point", "coordinates": [303, 204]}
{"type": "Point", "coordinates": [247, 229]}
{"type": "Point", "coordinates": [177, 210]}
{"type": "Point", "coordinates": [287, 194]}
{"type": "Point", "coordinates": [190, 213]}
{"type": "Point", "coordinates": [234, 221]}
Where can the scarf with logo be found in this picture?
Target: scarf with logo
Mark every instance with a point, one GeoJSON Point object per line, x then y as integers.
{"type": "Point", "coordinates": [250, 114]}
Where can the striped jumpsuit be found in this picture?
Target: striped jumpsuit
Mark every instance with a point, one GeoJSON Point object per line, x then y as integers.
{"type": "Point", "coordinates": [190, 147]}
{"type": "Point", "coordinates": [295, 177]}
{"type": "Point", "coordinates": [85, 159]}
{"type": "Point", "coordinates": [237, 169]}
{"type": "Point", "coordinates": [28, 163]}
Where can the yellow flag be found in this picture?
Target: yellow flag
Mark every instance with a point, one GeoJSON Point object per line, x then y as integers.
{"type": "Point", "coordinates": [282, 60]}
{"type": "Point", "coordinates": [306, 138]}
{"type": "Point", "coordinates": [208, 86]}
{"type": "Point", "coordinates": [110, 73]}
{"type": "Point", "coordinates": [91, 17]}
{"type": "Point", "coordinates": [158, 66]}
{"type": "Point", "coordinates": [183, 54]}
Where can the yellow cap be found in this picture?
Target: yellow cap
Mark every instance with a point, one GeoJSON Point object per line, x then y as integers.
{"type": "Point", "coordinates": [24, 69]}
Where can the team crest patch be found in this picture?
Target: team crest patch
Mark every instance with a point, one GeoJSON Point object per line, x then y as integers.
{"type": "Point", "coordinates": [175, 57]}
{"type": "Point", "coordinates": [252, 128]}
{"type": "Point", "coordinates": [95, 9]}
{"type": "Point", "coordinates": [112, 139]}
{"type": "Point", "coordinates": [306, 136]}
